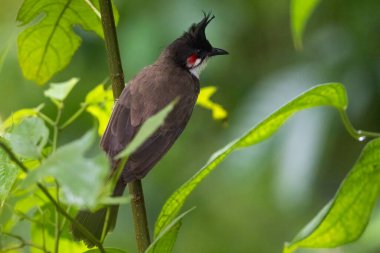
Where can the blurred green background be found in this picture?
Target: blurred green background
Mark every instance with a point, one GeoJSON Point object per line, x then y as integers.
{"type": "Point", "coordinates": [260, 197]}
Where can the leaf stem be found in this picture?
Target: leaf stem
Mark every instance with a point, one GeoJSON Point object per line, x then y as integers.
{"type": "Point", "coordinates": [45, 191]}
{"type": "Point", "coordinates": [45, 118]}
{"type": "Point", "coordinates": [117, 81]}
{"type": "Point", "coordinates": [357, 134]}
{"type": "Point", "coordinates": [74, 116]}
{"type": "Point", "coordinates": [55, 126]}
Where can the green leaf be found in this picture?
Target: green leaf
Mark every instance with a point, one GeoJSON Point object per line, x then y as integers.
{"type": "Point", "coordinates": [332, 94]}
{"type": "Point", "coordinates": [300, 12]}
{"type": "Point", "coordinates": [99, 103]}
{"type": "Point", "coordinates": [345, 218]}
{"type": "Point", "coordinates": [40, 235]}
{"type": "Point", "coordinates": [59, 91]}
{"type": "Point", "coordinates": [164, 242]}
{"type": "Point", "coordinates": [28, 138]}
{"type": "Point", "coordinates": [204, 100]}
{"type": "Point", "coordinates": [147, 129]}
{"type": "Point", "coordinates": [108, 250]}
{"type": "Point", "coordinates": [24, 203]}
{"type": "Point", "coordinates": [8, 175]}
{"type": "Point", "coordinates": [81, 174]}
{"type": "Point", "coordinates": [18, 116]}
{"type": "Point", "coordinates": [47, 46]}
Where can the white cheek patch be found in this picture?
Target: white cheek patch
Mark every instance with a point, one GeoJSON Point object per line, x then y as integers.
{"type": "Point", "coordinates": [195, 64]}
{"type": "Point", "coordinates": [198, 66]}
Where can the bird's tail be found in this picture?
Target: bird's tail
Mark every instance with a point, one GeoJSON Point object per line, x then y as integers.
{"type": "Point", "coordinates": [94, 222]}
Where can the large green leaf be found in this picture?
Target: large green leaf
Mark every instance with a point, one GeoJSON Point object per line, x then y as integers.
{"type": "Point", "coordinates": [47, 47]}
{"type": "Point", "coordinates": [28, 138]}
{"type": "Point", "coordinates": [344, 219]}
{"type": "Point", "coordinates": [80, 173]}
{"type": "Point", "coordinates": [332, 94]}
{"type": "Point", "coordinates": [8, 175]}
{"type": "Point", "coordinates": [300, 11]}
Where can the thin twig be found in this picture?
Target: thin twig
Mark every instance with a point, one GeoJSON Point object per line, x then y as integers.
{"type": "Point", "coordinates": [57, 224]}
{"type": "Point", "coordinates": [80, 227]}
{"type": "Point", "coordinates": [22, 244]}
{"type": "Point", "coordinates": [68, 122]}
{"type": "Point", "coordinates": [56, 123]}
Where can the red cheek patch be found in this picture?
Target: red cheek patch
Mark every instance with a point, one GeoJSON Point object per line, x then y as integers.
{"type": "Point", "coordinates": [191, 59]}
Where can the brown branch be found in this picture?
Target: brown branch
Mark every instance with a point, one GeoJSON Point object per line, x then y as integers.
{"type": "Point", "coordinates": [117, 80]}
{"type": "Point", "coordinates": [139, 215]}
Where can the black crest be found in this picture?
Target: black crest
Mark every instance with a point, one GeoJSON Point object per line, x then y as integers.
{"type": "Point", "coordinates": [196, 35]}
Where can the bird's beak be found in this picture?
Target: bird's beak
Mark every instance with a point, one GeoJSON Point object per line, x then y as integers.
{"type": "Point", "coordinates": [217, 51]}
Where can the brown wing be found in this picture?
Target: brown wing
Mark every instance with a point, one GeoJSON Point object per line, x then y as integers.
{"type": "Point", "coordinates": [147, 94]}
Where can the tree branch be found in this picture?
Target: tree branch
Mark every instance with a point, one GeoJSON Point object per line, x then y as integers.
{"type": "Point", "coordinates": [139, 215]}
{"type": "Point", "coordinates": [112, 47]}
{"type": "Point", "coordinates": [117, 80]}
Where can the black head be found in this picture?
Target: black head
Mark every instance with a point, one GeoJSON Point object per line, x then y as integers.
{"type": "Point", "coordinates": [192, 48]}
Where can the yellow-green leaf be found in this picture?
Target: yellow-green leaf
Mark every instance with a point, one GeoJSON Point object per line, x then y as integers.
{"type": "Point", "coordinates": [18, 116]}
{"type": "Point", "coordinates": [204, 100]}
{"type": "Point", "coordinates": [99, 103]}
{"type": "Point", "coordinates": [40, 237]}
{"type": "Point", "coordinates": [344, 219]}
{"type": "Point", "coordinates": [47, 47]}
{"type": "Point", "coordinates": [332, 94]}
{"type": "Point", "coordinates": [300, 11]}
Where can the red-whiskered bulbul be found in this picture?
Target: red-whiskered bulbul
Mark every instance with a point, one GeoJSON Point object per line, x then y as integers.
{"type": "Point", "coordinates": [175, 75]}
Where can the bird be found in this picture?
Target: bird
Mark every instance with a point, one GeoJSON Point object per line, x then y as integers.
{"type": "Point", "coordinates": [174, 75]}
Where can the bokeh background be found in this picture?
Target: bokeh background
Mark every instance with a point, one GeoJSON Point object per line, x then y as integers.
{"type": "Point", "coordinates": [262, 196]}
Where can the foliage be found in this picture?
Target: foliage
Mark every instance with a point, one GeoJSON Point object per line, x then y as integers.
{"type": "Point", "coordinates": [300, 13]}
{"type": "Point", "coordinates": [346, 216]}
{"type": "Point", "coordinates": [41, 181]}
{"type": "Point", "coordinates": [324, 95]}
{"type": "Point", "coordinates": [99, 103]}
{"type": "Point", "coordinates": [47, 47]}
{"type": "Point", "coordinates": [31, 148]}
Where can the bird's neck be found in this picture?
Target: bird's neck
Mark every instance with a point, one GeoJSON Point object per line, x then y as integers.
{"type": "Point", "coordinates": [196, 71]}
